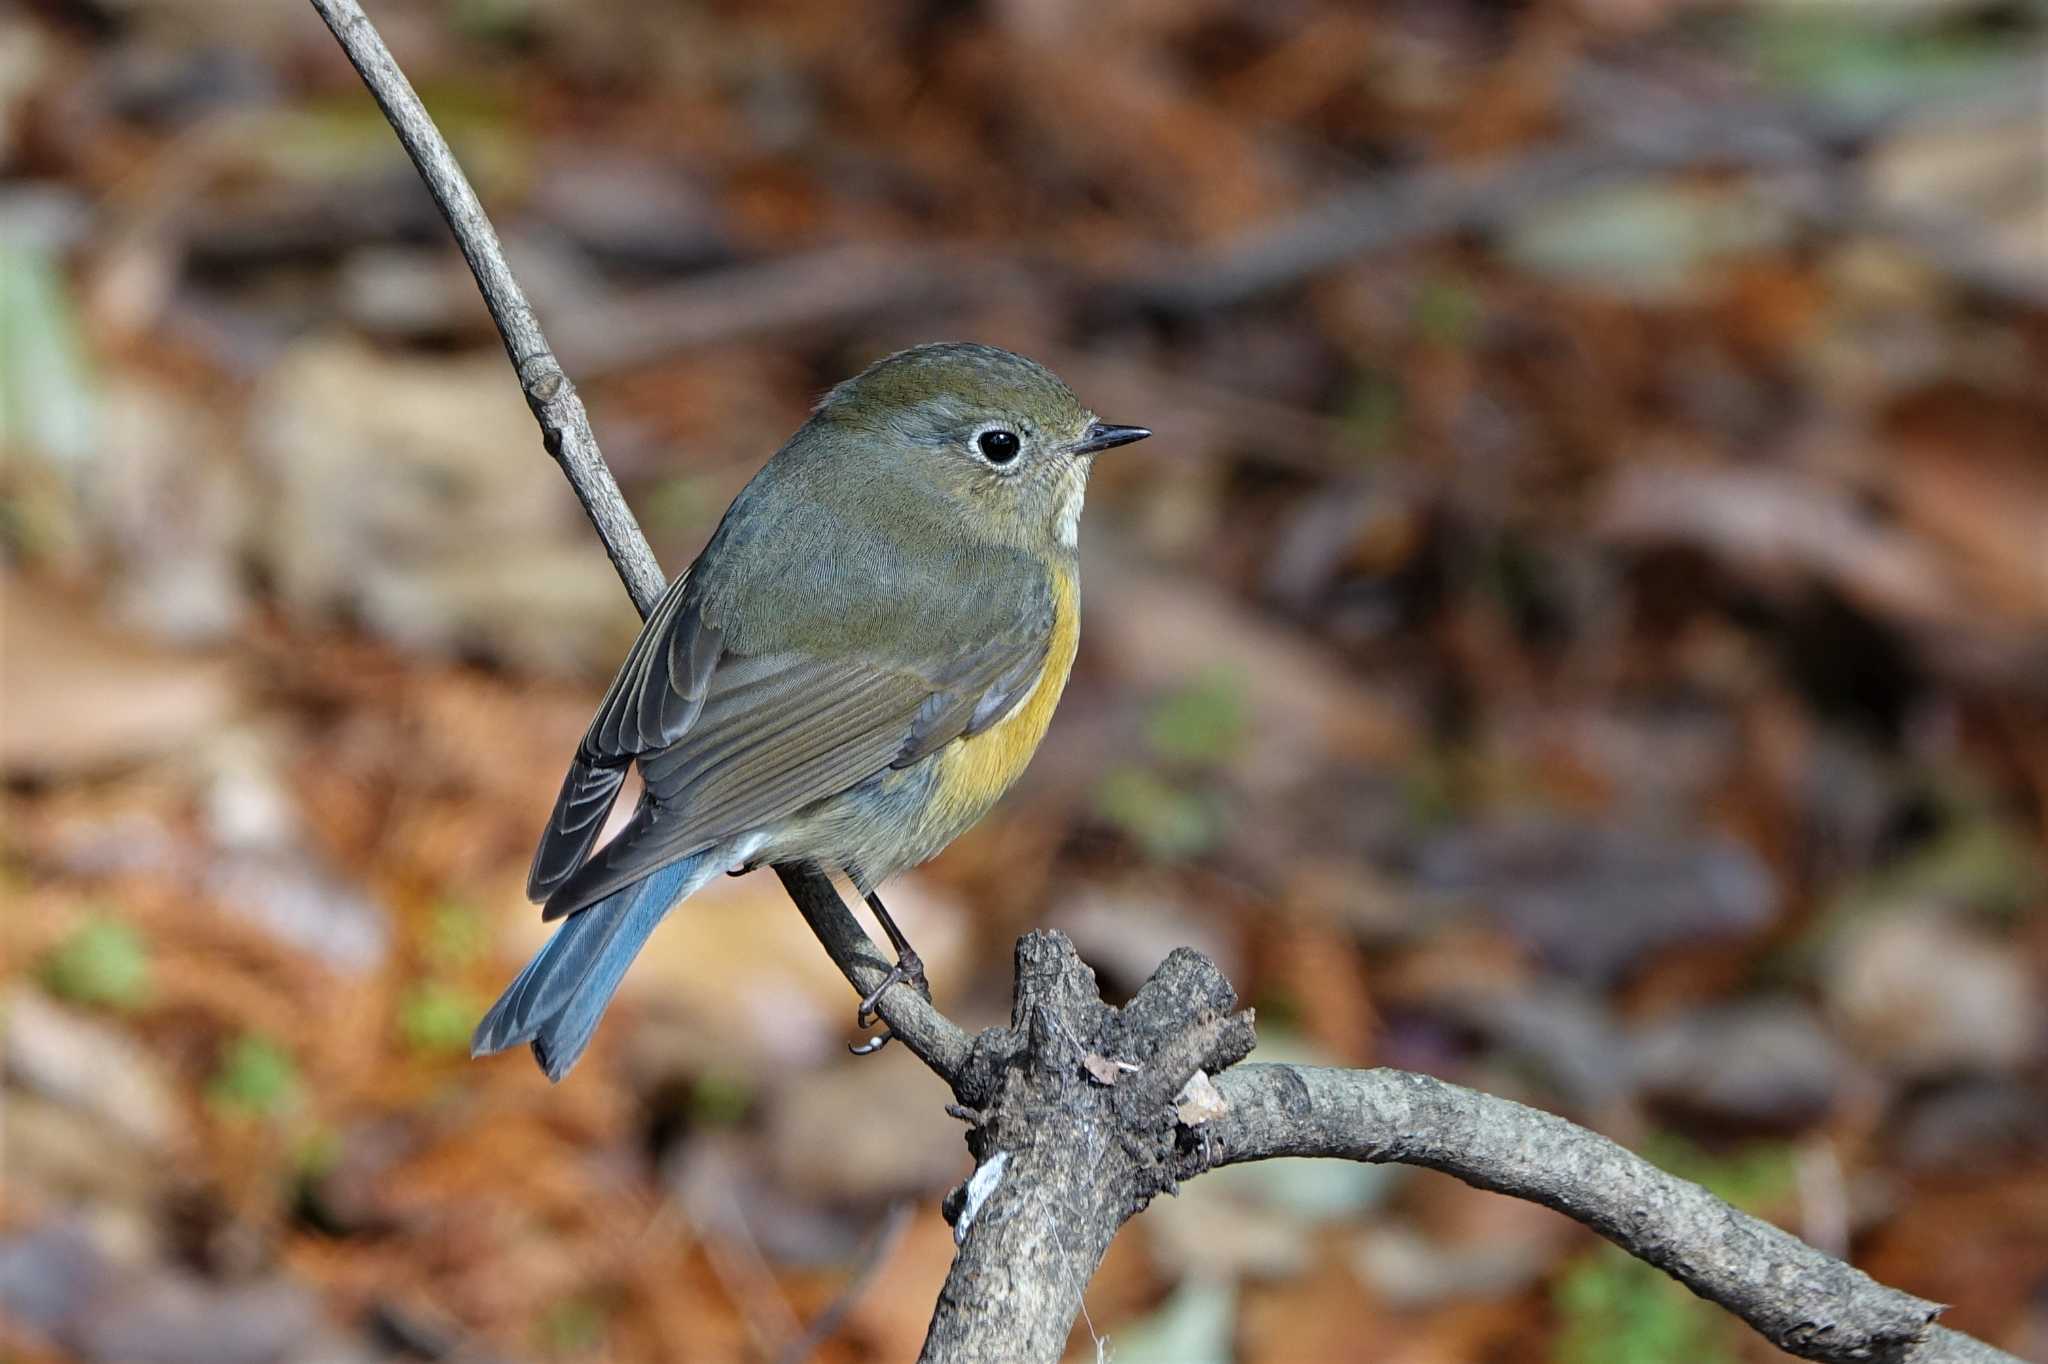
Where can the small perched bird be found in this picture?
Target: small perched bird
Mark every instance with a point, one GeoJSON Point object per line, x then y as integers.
{"type": "Point", "coordinates": [863, 658]}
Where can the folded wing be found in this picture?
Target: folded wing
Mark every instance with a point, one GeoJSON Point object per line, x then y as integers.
{"type": "Point", "coordinates": [754, 739]}
{"type": "Point", "coordinates": [653, 701]}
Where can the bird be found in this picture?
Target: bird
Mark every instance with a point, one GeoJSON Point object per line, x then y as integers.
{"type": "Point", "coordinates": [862, 659]}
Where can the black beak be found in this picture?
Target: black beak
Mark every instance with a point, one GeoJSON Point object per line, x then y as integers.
{"type": "Point", "coordinates": [1104, 436]}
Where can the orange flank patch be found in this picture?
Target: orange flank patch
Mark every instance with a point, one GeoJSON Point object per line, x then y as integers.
{"type": "Point", "coordinates": [974, 772]}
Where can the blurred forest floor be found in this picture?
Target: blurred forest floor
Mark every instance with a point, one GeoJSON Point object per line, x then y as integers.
{"type": "Point", "coordinates": [1581, 630]}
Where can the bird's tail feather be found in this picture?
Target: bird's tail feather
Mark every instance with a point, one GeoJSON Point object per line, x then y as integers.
{"type": "Point", "coordinates": [555, 1003]}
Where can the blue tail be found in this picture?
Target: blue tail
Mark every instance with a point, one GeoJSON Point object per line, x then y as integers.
{"type": "Point", "coordinates": [556, 1001]}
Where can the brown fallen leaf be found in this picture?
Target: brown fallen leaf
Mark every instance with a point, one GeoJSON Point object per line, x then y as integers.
{"type": "Point", "coordinates": [82, 697]}
{"type": "Point", "coordinates": [1777, 529]}
{"type": "Point", "coordinates": [1303, 709]}
{"type": "Point", "coordinates": [1971, 476]}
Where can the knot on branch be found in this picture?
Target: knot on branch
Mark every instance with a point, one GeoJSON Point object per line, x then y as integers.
{"type": "Point", "coordinates": [1071, 1066]}
{"type": "Point", "coordinates": [542, 380]}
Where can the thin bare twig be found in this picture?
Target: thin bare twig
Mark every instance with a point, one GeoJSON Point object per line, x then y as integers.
{"type": "Point", "coordinates": [875, 1254]}
{"type": "Point", "coordinates": [565, 426]}
{"type": "Point", "coordinates": [740, 1267]}
{"type": "Point", "coordinates": [933, 1038]}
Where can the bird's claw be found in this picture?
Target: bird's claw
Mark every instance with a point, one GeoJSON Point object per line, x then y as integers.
{"type": "Point", "coordinates": [908, 970]}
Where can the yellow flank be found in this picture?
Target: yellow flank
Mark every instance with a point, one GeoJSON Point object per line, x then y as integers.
{"type": "Point", "coordinates": [974, 772]}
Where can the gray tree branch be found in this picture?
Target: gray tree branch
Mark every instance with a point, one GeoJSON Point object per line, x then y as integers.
{"type": "Point", "coordinates": [1081, 1113]}
{"type": "Point", "coordinates": [1807, 1303]}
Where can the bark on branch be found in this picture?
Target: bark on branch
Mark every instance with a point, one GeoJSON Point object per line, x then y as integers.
{"type": "Point", "coordinates": [1807, 1303]}
{"type": "Point", "coordinates": [1081, 1113]}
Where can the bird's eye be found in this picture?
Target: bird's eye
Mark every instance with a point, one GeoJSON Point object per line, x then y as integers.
{"type": "Point", "coordinates": [997, 446]}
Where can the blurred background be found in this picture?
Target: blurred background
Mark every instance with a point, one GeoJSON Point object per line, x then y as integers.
{"type": "Point", "coordinates": [1581, 630]}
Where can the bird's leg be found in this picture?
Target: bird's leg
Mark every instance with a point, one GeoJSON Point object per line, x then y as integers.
{"type": "Point", "coordinates": [909, 969]}
{"type": "Point", "coordinates": [909, 966]}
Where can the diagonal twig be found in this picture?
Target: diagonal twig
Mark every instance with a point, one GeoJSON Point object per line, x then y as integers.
{"type": "Point", "coordinates": [565, 426]}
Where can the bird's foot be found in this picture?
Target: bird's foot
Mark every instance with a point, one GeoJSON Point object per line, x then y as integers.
{"type": "Point", "coordinates": [908, 970]}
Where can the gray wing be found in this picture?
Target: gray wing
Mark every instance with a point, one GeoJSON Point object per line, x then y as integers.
{"type": "Point", "coordinates": [777, 732]}
{"type": "Point", "coordinates": [656, 697]}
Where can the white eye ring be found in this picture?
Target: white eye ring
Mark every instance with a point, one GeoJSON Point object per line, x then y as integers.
{"type": "Point", "coordinates": [997, 446]}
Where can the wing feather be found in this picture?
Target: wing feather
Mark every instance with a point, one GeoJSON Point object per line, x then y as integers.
{"type": "Point", "coordinates": [786, 733]}
{"type": "Point", "coordinates": [838, 743]}
{"type": "Point", "coordinates": [652, 702]}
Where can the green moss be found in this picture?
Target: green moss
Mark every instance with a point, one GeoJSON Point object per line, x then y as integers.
{"type": "Point", "coordinates": [1374, 414]}
{"type": "Point", "coordinates": [1855, 58]}
{"type": "Point", "coordinates": [455, 935]}
{"type": "Point", "coordinates": [1447, 311]}
{"type": "Point", "coordinates": [317, 1153]}
{"type": "Point", "coordinates": [436, 1017]}
{"type": "Point", "coordinates": [1203, 723]}
{"type": "Point", "coordinates": [1614, 1309]}
{"type": "Point", "coordinates": [1433, 791]}
{"type": "Point", "coordinates": [104, 962]}
{"type": "Point", "coordinates": [256, 1078]}
{"type": "Point", "coordinates": [720, 1098]}
{"type": "Point", "coordinates": [574, 1326]}
{"type": "Point", "coordinates": [1170, 822]}
{"type": "Point", "coordinates": [49, 401]}
{"type": "Point", "coordinates": [1979, 862]}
